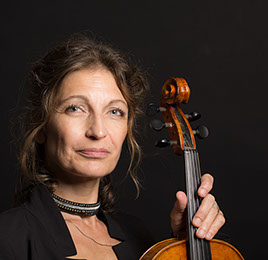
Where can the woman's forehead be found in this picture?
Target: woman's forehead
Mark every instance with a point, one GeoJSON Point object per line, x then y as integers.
{"type": "Point", "coordinates": [92, 84]}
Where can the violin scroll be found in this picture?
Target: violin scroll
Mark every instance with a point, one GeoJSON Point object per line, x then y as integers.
{"type": "Point", "coordinates": [175, 90]}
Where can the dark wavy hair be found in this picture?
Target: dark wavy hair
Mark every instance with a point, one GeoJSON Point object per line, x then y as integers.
{"type": "Point", "coordinates": [43, 85]}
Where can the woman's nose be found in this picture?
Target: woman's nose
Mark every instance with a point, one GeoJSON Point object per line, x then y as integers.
{"type": "Point", "coordinates": [96, 129]}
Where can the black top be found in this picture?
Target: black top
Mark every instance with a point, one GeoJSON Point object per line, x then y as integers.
{"type": "Point", "coordinates": [37, 231]}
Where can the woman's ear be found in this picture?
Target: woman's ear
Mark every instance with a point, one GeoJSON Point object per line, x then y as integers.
{"type": "Point", "coordinates": [41, 137]}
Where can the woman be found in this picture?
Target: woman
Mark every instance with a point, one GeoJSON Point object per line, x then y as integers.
{"type": "Point", "coordinates": [83, 101]}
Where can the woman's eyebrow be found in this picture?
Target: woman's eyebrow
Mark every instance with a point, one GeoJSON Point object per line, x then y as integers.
{"type": "Point", "coordinates": [117, 101]}
{"type": "Point", "coordinates": [84, 98]}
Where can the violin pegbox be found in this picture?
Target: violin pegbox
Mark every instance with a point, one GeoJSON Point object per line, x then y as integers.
{"type": "Point", "coordinates": [174, 92]}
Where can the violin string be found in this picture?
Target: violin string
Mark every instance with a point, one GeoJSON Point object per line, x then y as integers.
{"type": "Point", "coordinates": [202, 242]}
{"type": "Point", "coordinates": [203, 247]}
{"type": "Point", "coordinates": [191, 201]}
{"type": "Point", "coordinates": [199, 249]}
{"type": "Point", "coordinates": [195, 201]}
{"type": "Point", "coordinates": [196, 186]}
{"type": "Point", "coordinates": [207, 243]}
{"type": "Point", "coordinates": [194, 205]}
{"type": "Point", "coordinates": [191, 205]}
{"type": "Point", "coordinates": [197, 178]}
{"type": "Point", "coordinates": [189, 213]}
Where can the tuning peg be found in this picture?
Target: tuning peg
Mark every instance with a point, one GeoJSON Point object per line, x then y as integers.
{"type": "Point", "coordinates": [193, 116]}
{"type": "Point", "coordinates": [164, 143]}
{"type": "Point", "coordinates": [153, 109]}
{"type": "Point", "coordinates": [201, 132]}
{"type": "Point", "coordinates": [159, 125]}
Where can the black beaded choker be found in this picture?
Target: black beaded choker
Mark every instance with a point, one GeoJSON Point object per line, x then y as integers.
{"type": "Point", "coordinates": [75, 207]}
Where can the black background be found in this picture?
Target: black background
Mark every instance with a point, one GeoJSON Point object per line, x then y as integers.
{"type": "Point", "coordinates": [219, 47]}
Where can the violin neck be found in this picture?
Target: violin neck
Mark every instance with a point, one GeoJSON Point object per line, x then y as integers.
{"type": "Point", "coordinates": [198, 249]}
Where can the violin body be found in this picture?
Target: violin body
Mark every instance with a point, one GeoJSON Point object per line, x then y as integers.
{"type": "Point", "coordinates": [174, 92]}
{"type": "Point", "coordinates": [173, 249]}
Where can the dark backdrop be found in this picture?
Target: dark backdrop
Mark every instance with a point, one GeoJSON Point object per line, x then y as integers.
{"type": "Point", "coordinates": [220, 47]}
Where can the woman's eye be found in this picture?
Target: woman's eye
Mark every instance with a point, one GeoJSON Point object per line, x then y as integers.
{"type": "Point", "coordinates": [74, 108]}
{"type": "Point", "coordinates": [117, 112]}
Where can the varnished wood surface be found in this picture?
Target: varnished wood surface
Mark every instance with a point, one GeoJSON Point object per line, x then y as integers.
{"type": "Point", "coordinates": [173, 249]}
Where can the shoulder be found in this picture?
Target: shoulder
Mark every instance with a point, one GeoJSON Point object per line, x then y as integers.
{"type": "Point", "coordinates": [14, 222]}
{"type": "Point", "coordinates": [13, 218]}
{"type": "Point", "coordinates": [19, 224]}
{"type": "Point", "coordinates": [14, 232]}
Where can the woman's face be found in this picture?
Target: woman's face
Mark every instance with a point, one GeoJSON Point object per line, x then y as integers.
{"type": "Point", "coordinates": [86, 131]}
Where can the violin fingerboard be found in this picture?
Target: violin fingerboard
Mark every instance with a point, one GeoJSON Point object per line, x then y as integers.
{"type": "Point", "coordinates": [197, 249]}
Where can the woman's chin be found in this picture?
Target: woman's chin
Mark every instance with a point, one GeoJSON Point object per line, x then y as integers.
{"type": "Point", "coordinates": [88, 174]}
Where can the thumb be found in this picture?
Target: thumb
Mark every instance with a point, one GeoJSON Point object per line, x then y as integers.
{"type": "Point", "coordinates": [181, 202]}
{"type": "Point", "coordinates": [177, 215]}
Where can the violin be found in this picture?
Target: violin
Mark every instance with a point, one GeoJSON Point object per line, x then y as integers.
{"type": "Point", "coordinates": [174, 92]}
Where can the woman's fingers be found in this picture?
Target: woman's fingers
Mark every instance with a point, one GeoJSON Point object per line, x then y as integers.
{"type": "Point", "coordinates": [208, 218]}
{"type": "Point", "coordinates": [215, 226]}
{"type": "Point", "coordinates": [211, 224]}
{"type": "Point", "coordinates": [204, 210]}
{"type": "Point", "coordinates": [206, 185]}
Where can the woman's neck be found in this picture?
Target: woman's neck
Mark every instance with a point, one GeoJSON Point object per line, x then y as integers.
{"type": "Point", "coordinates": [85, 191]}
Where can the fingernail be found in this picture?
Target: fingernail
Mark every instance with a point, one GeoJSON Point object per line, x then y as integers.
{"type": "Point", "coordinates": [203, 192]}
{"type": "Point", "coordinates": [201, 233]}
{"type": "Point", "coordinates": [197, 221]}
{"type": "Point", "coordinates": [209, 236]}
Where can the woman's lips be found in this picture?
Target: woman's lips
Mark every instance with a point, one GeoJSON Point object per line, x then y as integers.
{"type": "Point", "coordinates": [94, 152]}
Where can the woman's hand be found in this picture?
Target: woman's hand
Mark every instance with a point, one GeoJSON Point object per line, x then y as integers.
{"type": "Point", "coordinates": [208, 218]}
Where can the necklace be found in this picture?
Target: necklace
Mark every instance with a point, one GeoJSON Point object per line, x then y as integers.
{"type": "Point", "coordinates": [76, 208]}
{"type": "Point", "coordinates": [92, 239]}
